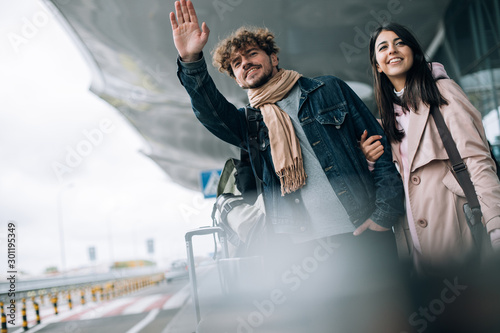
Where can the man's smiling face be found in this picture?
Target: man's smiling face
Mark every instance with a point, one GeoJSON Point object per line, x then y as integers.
{"type": "Point", "coordinates": [252, 67]}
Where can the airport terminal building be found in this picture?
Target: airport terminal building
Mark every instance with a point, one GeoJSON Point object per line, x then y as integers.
{"type": "Point", "coordinates": [130, 52]}
{"type": "Point", "coordinates": [470, 51]}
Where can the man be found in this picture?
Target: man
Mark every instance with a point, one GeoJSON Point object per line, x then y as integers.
{"type": "Point", "coordinates": [316, 182]}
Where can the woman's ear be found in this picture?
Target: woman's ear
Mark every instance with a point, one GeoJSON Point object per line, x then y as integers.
{"type": "Point", "coordinates": [378, 68]}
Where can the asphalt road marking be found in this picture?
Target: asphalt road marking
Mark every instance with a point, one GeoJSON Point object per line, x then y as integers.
{"type": "Point", "coordinates": [143, 323]}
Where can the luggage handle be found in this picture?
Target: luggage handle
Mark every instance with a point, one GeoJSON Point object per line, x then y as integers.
{"type": "Point", "coordinates": [192, 274]}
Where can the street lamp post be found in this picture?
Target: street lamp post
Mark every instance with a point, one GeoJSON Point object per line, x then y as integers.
{"type": "Point", "coordinates": [61, 225]}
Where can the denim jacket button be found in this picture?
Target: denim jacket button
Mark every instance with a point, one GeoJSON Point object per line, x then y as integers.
{"type": "Point", "coordinates": [297, 201]}
{"type": "Point", "coordinates": [302, 228]}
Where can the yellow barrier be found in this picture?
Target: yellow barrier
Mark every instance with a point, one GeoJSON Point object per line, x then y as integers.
{"type": "Point", "coordinates": [37, 310]}
{"type": "Point", "coordinates": [23, 314]}
{"type": "Point", "coordinates": [4, 319]}
{"type": "Point", "coordinates": [54, 303]}
{"type": "Point", "coordinates": [70, 303]}
{"type": "Point", "coordinates": [41, 294]}
{"type": "Point", "coordinates": [107, 291]}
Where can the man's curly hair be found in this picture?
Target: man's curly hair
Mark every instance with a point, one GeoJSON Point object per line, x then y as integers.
{"type": "Point", "coordinates": [238, 40]}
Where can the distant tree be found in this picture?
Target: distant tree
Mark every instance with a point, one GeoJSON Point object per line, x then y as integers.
{"type": "Point", "coordinates": [51, 270]}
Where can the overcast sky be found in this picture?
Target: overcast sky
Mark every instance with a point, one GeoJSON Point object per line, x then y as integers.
{"type": "Point", "coordinates": [68, 158]}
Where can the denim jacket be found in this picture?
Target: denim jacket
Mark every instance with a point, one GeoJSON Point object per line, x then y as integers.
{"type": "Point", "coordinates": [333, 119]}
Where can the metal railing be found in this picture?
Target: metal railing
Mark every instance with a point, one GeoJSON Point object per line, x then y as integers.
{"type": "Point", "coordinates": [86, 288]}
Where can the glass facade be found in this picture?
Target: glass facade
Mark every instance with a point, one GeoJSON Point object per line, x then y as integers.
{"type": "Point", "coordinates": [470, 53]}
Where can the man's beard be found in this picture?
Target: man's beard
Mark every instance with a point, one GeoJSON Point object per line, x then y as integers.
{"type": "Point", "coordinates": [262, 80]}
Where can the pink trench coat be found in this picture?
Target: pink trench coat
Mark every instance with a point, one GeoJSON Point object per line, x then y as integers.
{"type": "Point", "coordinates": [435, 196]}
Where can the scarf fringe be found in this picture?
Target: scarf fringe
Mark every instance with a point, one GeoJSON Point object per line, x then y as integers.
{"type": "Point", "coordinates": [292, 177]}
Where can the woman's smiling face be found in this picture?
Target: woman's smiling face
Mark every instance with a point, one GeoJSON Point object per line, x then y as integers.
{"type": "Point", "coordinates": [394, 58]}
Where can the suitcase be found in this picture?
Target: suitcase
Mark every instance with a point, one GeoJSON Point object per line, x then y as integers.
{"type": "Point", "coordinates": [237, 276]}
{"type": "Point", "coordinates": [191, 264]}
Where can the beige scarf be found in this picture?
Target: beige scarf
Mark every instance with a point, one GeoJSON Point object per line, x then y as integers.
{"type": "Point", "coordinates": [285, 147]}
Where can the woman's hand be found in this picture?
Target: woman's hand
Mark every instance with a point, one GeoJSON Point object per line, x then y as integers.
{"type": "Point", "coordinates": [495, 239]}
{"type": "Point", "coordinates": [371, 147]}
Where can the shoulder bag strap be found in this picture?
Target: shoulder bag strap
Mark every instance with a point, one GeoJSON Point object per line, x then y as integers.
{"type": "Point", "coordinates": [473, 210]}
{"type": "Point", "coordinates": [253, 135]}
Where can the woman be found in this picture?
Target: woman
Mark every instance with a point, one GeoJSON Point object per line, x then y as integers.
{"type": "Point", "coordinates": [435, 233]}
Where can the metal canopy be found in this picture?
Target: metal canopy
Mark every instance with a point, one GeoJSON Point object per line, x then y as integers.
{"type": "Point", "coordinates": [129, 48]}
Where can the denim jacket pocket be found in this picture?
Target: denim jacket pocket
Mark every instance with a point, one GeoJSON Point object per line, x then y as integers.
{"type": "Point", "coordinates": [332, 116]}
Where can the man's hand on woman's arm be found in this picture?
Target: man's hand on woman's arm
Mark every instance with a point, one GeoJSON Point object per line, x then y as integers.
{"type": "Point", "coordinates": [369, 224]}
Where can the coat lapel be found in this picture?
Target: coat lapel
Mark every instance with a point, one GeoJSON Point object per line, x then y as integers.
{"type": "Point", "coordinates": [424, 143]}
{"type": "Point", "coordinates": [417, 125]}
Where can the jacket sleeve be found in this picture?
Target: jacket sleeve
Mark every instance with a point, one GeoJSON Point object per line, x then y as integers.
{"type": "Point", "coordinates": [389, 191]}
{"type": "Point", "coordinates": [465, 124]}
{"type": "Point", "coordinates": [211, 108]}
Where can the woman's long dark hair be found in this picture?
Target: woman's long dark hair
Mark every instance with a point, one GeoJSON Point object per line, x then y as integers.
{"type": "Point", "coordinates": [420, 84]}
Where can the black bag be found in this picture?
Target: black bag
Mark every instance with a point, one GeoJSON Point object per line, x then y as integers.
{"type": "Point", "coordinates": [239, 208]}
{"type": "Point", "coordinates": [472, 208]}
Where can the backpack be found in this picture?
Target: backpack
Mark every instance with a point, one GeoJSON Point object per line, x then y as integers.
{"type": "Point", "coordinates": [239, 207]}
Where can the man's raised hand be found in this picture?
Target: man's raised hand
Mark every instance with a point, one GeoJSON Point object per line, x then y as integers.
{"type": "Point", "coordinates": [189, 39]}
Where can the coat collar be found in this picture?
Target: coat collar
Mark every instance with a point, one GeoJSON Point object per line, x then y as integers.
{"type": "Point", "coordinates": [308, 85]}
